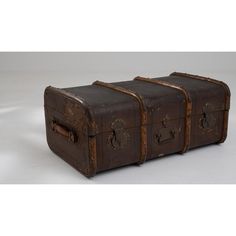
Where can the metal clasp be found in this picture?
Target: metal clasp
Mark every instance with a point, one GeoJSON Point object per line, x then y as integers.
{"type": "Point", "coordinates": [119, 137]}
{"type": "Point", "coordinates": [165, 134]}
{"type": "Point", "coordinates": [208, 121]}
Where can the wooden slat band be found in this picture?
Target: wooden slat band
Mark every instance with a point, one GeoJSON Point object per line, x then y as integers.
{"type": "Point", "coordinates": [188, 109]}
{"type": "Point", "coordinates": [227, 97]}
{"type": "Point", "coordinates": [143, 116]}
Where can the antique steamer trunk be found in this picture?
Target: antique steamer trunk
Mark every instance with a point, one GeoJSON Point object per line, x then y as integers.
{"type": "Point", "coordinates": [107, 125]}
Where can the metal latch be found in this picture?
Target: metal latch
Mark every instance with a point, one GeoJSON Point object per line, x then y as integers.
{"type": "Point", "coordinates": [119, 137]}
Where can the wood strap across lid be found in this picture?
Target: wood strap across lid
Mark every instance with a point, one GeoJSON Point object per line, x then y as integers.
{"type": "Point", "coordinates": [188, 107]}
{"type": "Point", "coordinates": [143, 115]}
{"type": "Point", "coordinates": [227, 97]}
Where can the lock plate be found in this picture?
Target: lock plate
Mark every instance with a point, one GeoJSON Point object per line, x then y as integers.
{"type": "Point", "coordinates": [165, 134]}
{"type": "Point", "coordinates": [119, 137]}
{"type": "Point", "coordinates": [208, 120]}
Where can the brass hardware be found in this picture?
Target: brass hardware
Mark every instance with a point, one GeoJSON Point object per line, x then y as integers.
{"type": "Point", "coordinates": [119, 137]}
{"type": "Point", "coordinates": [91, 171]}
{"type": "Point", "coordinates": [165, 136]}
{"type": "Point", "coordinates": [165, 120]}
{"type": "Point", "coordinates": [63, 131]}
{"type": "Point", "coordinates": [208, 121]}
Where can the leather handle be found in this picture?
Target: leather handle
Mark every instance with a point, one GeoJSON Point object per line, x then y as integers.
{"type": "Point", "coordinates": [63, 131]}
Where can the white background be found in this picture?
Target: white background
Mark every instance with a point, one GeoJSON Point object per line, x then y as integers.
{"type": "Point", "coordinates": [124, 25]}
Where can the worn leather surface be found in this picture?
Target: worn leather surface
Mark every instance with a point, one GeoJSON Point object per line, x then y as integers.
{"type": "Point", "coordinates": [117, 118]}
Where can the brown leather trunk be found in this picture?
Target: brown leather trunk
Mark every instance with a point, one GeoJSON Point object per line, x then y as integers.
{"type": "Point", "coordinates": [107, 125]}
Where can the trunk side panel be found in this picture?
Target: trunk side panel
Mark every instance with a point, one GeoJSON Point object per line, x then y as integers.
{"type": "Point", "coordinates": [71, 115]}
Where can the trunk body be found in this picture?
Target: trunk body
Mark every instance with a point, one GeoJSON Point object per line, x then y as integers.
{"type": "Point", "coordinates": [104, 126]}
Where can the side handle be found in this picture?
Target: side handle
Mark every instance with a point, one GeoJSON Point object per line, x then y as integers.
{"type": "Point", "coordinates": [63, 131]}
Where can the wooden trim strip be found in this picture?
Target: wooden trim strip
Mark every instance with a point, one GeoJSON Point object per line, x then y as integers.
{"type": "Point", "coordinates": [227, 97]}
{"type": "Point", "coordinates": [143, 115]}
{"type": "Point", "coordinates": [188, 107]}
